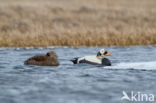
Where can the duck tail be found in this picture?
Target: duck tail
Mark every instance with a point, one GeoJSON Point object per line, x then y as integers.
{"type": "Point", "coordinates": [26, 62]}
{"type": "Point", "coordinates": [75, 60]}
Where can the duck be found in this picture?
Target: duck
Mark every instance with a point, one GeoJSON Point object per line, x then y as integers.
{"type": "Point", "coordinates": [50, 59]}
{"type": "Point", "coordinates": [98, 59]}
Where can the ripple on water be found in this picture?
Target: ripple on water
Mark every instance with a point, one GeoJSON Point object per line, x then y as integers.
{"type": "Point", "coordinates": [86, 75]}
{"type": "Point", "coordinates": [2, 67]}
{"type": "Point", "coordinates": [75, 83]}
{"type": "Point", "coordinates": [19, 67]}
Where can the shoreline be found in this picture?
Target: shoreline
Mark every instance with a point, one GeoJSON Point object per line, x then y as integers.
{"type": "Point", "coordinates": [52, 47]}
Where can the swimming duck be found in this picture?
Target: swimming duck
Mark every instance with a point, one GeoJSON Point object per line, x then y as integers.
{"type": "Point", "coordinates": [50, 59]}
{"type": "Point", "coordinates": [99, 59]}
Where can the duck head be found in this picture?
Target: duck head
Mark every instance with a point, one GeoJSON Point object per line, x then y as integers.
{"type": "Point", "coordinates": [102, 53]}
{"type": "Point", "coordinates": [52, 54]}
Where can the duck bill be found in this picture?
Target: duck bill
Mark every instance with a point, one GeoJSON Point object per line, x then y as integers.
{"type": "Point", "coordinates": [108, 54]}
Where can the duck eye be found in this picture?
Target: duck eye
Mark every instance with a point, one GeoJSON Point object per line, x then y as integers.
{"type": "Point", "coordinates": [105, 52]}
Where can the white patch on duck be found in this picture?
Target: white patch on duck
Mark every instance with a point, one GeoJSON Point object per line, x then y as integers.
{"type": "Point", "coordinates": [94, 60]}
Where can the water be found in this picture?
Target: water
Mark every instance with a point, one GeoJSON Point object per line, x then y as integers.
{"type": "Point", "coordinates": [134, 69]}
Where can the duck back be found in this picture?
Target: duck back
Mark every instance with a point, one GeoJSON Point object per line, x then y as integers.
{"type": "Point", "coordinates": [42, 61]}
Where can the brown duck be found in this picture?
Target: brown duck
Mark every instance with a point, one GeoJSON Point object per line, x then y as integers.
{"type": "Point", "coordinates": [50, 59]}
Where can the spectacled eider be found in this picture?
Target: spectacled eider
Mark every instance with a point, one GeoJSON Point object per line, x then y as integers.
{"type": "Point", "coordinates": [50, 59]}
{"type": "Point", "coordinates": [99, 59]}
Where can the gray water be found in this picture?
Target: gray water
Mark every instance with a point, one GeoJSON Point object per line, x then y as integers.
{"type": "Point", "coordinates": [134, 69]}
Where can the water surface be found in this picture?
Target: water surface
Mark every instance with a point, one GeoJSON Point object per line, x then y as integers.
{"type": "Point", "coordinates": [133, 70]}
